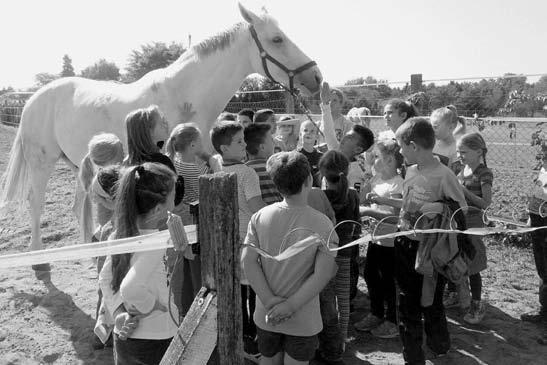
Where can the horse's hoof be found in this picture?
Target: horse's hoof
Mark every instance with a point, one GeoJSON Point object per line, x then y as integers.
{"type": "Point", "coordinates": [42, 267]}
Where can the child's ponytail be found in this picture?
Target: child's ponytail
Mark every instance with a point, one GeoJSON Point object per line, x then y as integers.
{"type": "Point", "coordinates": [125, 214]}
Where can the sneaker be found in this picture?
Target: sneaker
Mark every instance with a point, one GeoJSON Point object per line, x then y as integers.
{"type": "Point", "coordinates": [250, 349]}
{"type": "Point", "coordinates": [451, 299]}
{"type": "Point", "coordinates": [476, 312]}
{"type": "Point", "coordinates": [534, 317]}
{"type": "Point", "coordinates": [368, 323]}
{"type": "Point", "coordinates": [386, 330]}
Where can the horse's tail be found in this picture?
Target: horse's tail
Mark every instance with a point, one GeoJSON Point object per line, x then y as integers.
{"type": "Point", "coordinates": [15, 182]}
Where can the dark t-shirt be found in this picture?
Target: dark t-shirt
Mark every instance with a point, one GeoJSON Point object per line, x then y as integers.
{"type": "Point", "coordinates": [349, 210]}
{"type": "Point", "coordinates": [313, 159]}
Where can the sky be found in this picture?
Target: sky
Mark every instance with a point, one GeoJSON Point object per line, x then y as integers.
{"type": "Point", "coordinates": [387, 39]}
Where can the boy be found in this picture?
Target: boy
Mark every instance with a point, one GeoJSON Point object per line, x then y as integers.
{"type": "Point", "coordinates": [245, 117]}
{"type": "Point", "coordinates": [268, 116]}
{"type": "Point", "coordinates": [228, 140]}
{"type": "Point", "coordinates": [287, 312]}
{"type": "Point", "coordinates": [427, 181]}
{"type": "Point", "coordinates": [308, 136]}
{"type": "Point", "coordinates": [260, 147]}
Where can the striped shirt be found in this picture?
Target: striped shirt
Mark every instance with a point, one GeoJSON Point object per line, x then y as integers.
{"type": "Point", "coordinates": [190, 172]}
{"type": "Point", "coordinates": [267, 188]}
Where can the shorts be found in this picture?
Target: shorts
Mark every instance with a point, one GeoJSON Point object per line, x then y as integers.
{"type": "Point", "coordinates": [300, 348]}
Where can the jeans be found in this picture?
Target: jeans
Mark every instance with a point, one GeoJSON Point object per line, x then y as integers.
{"type": "Point", "coordinates": [136, 351]}
{"type": "Point", "coordinates": [331, 343]}
{"type": "Point", "coordinates": [410, 311]}
{"type": "Point", "coordinates": [380, 278]}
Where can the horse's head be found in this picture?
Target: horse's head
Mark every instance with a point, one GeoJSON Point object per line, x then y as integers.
{"type": "Point", "coordinates": [274, 55]}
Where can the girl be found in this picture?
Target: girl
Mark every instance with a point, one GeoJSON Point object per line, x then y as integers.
{"type": "Point", "coordinates": [146, 133]}
{"type": "Point", "coordinates": [183, 148]}
{"type": "Point", "coordinates": [476, 179]}
{"type": "Point", "coordinates": [444, 121]}
{"type": "Point", "coordinates": [386, 185]}
{"type": "Point", "coordinates": [135, 286]}
{"type": "Point", "coordinates": [104, 149]}
{"type": "Point", "coordinates": [345, 203]}
{"type": "Point", "coordinates": [287, 134]}
{"type": "Point", "coordinates": [396, 112]}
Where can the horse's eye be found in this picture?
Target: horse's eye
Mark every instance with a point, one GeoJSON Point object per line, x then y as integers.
{"type": "Point", "coordinates": [277, 40]}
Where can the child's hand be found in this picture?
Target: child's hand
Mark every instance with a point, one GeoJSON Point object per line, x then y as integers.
{"type": "Point", "coordinates": [279, 313]}
{"type": "Point", "coordinates": [324, 93]}
{"type": "Point", "coordinates": [372, 198]}
{"type": "Point", "coordinates": [126, 324]}
{"type": "Point", "coordinates": [186, 112]}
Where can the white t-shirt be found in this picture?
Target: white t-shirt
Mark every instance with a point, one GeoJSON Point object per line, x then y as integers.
{"type": "Point", "coordinates": [386, 189]}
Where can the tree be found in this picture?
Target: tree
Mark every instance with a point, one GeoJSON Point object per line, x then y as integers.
{"type": "Point", "coordinates": [151, 57]}
{"type": "Point", "coordinates": [5, 90]}
{"type": "Point", "coordinates": [44, 78]}
{"type": "Point", "coordinates": [102, 70]}
{"type": "Point", "coordinates": [68, 70]}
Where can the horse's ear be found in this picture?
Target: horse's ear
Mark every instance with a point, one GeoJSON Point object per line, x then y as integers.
{"type": "Point", "coordinates": [248, 15]}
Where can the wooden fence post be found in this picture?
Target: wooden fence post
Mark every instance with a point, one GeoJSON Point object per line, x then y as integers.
{"type": "Point", "coordinates": [220, 296]}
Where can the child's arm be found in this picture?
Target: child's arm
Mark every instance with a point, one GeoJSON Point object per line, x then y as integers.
{"type": "Point", "coordinates": [253, 270]}
{"type": "Point", "coordinates": [135, 289]}
{"type": "Point", "coordinates": [326, 116]}
{"type": "Point", "coordinates": [485, 178]}
{"type": "Point", "coordinates": [325, 269]}
{"type": "Point", "coordinates": [395, 201]}
{"type": "Point", "coordinates": [251, 186]}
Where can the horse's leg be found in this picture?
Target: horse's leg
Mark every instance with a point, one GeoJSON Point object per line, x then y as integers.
{"type": "Point", "coordinates": [39, 175]}
{"type": "Point", "coordinates": [79, 192]}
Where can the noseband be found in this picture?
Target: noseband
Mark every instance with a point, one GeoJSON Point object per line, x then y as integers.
{"type": "Point", "coordinates": [265, 56]}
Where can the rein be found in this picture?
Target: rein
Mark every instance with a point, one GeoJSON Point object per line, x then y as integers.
{"type": "Point", "coordinates": [265, 56]}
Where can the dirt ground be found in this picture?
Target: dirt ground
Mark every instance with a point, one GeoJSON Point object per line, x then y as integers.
{"type": "Point", "coordinates": [51, 321]}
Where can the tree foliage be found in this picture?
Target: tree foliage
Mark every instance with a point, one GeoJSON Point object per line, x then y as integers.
{"type": "Point", "coordinates": [44, 78]}
{"type": "Point", "coordinates": [151, 57]}
{"type": "Point", "coordinates": [102, 70]}
{"type": "Point", "coordinates": [67, 70]}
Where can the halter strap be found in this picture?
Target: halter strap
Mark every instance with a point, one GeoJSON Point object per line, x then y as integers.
{"type": "Point", "coordinates": [265, 56]}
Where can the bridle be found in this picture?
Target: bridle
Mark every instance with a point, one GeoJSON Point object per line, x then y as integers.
{"type": "Point", "coordinates": [265, 57]}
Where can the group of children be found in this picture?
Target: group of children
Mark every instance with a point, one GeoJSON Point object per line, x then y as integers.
{"type": "Point", "coordinates": [299, 309]}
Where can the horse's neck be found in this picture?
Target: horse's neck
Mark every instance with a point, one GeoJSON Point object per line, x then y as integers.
{"type": "Point", "coordinates": [208, 82]}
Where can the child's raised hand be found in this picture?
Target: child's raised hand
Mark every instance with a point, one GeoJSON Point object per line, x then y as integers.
{"type": "Point", "coordinates": [324, 93]}
{"type": "Point", "coordinates": [372, 198]}
{"type": "Point", "coordinates": [186, 112]}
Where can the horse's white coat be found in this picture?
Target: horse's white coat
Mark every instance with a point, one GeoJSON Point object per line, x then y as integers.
{"type": "Point", "coordinates": [59, 120]}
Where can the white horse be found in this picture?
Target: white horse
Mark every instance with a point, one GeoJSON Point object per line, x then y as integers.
{"type": "Point", "coordinates": [59, 120]}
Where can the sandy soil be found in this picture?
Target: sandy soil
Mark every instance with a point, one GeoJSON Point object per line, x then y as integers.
{"type": "Point", "coordinates": [51, 321]}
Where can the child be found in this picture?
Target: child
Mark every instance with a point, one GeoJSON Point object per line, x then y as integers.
{"type": "Point", "coordinates": [260, 147]}
{"type": "Point", "coordinates": [104, 149]}
{"type": "Point", "coordinates": [396, 112]}
{"type": "Point", "coordinates": [341, 124]}
{"type": "Point", "coordinates": [536, 210]}
{"type": "Point", "coordinates": [461, 127]}
{"type": "Point", "coordinates": [444, 122]}
{"type": "Point", "coordinates": [183, 148]}
{"type": "Point", "coordinates": [427, 181]}
{"type": "Point", "coordinates": [287, 312]}
{"type": "Point", "coordinates": [286, 135]}
{"type": "Point", "coordinates": [245, 117]}
{"type": "Point", "coordinates": [308, 138]}
{"type": "Point", "coordinates": [228, 140]}
{"type": "Point", "coordinates": [477, 180]}
{"type": "Point", "coordinates": [357, 140]}
{"type": "Point", "coordinates": [386, 185]}
{"type": "Point", "coordinates": [268, 116]}
{"type": "Point", "coordinates": [147, 131]}
{"type": "Point", "coordinates": [135, 286]}
{"type": "Point", "coordinates": [345, 202]}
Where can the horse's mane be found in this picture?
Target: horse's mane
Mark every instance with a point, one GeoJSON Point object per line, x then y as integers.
{"type": "Point", "coordinates": [219, 41]}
